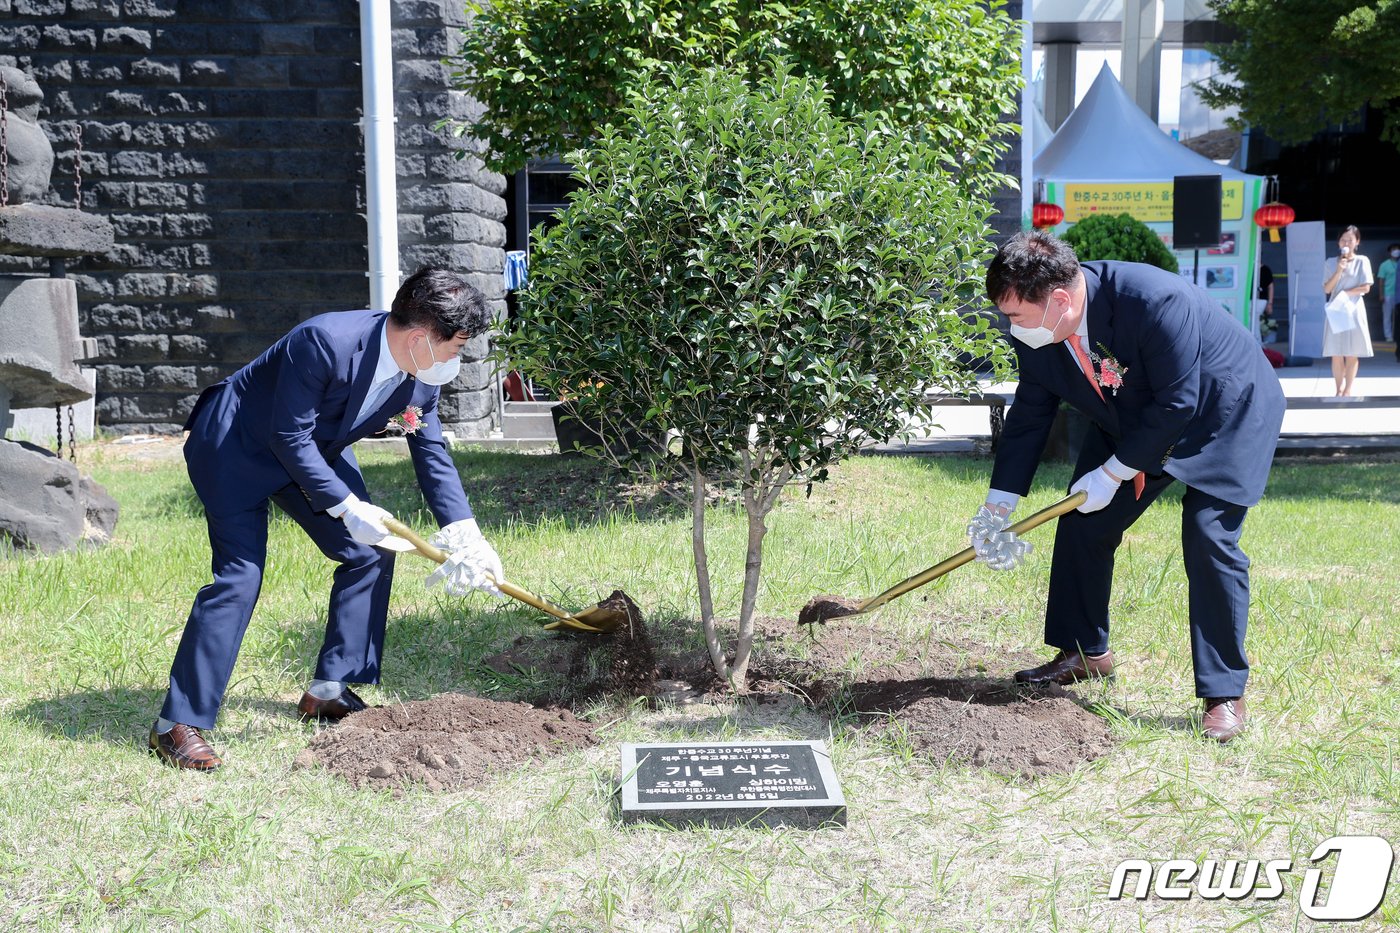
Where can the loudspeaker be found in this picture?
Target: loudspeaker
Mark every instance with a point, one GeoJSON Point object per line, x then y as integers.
{"type": "Point", "coordinates": [1195, 211]}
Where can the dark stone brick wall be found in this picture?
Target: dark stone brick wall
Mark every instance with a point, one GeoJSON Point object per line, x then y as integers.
{"type": "Point", "coordinates": [451, 210]}
{"type": "Point", "coordinates": [222, 139]}
{"type": "Point", "coordinates": [1007, 220]}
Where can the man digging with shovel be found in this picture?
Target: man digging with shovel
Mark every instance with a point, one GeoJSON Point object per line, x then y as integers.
{"type": "Point", "coordinates": [1177, 390]}
{"type": "Point", "coordinates": [280, 429]}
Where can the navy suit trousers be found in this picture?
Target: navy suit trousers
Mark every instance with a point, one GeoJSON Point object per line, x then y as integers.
{"type": "Point", "coordinates": [1217, 573]}
{"type": "Point", "coordinates": [359, 605]}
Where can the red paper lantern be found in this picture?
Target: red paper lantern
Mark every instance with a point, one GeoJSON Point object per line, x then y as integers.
{"type": "Point", "coordinates": [1045, 215]}
{"type": "Point", "coordinates": [1273, 217]}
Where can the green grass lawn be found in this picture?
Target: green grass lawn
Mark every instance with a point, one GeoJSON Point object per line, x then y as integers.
{"type": "Point", "coordinates": [94, 833]}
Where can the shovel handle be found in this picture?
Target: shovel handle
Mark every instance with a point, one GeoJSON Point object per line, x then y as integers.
{"type": "Point", "coordinates": [967, 555]}
{"type": "Point", "coordinates": [435, 553]}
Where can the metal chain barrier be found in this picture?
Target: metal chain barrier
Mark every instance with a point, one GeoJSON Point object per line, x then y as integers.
{"type": "Point", "coordinates": [78, 168]}
{"type": "Point", "coordinates": [4, 142]}
{"type": "Point", "coordinates": [72, 438]}
{"type": "Point", "coordinates": [58, 430]}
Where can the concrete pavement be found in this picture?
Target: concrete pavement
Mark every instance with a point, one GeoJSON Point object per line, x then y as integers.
{"type": "Point", "coordinates": [1326, 425]}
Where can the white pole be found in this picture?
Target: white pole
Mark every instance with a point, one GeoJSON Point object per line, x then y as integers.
{"type": "Point", "coordinates": [381, 187]}
{"type": "Point", "coordinates": [1027, 102]}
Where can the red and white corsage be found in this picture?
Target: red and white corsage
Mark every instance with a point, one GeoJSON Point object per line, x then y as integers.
{"type": "Point", "coordinates": [1108, 372]}
{"type": "Point", "coordinates": [410, 419]}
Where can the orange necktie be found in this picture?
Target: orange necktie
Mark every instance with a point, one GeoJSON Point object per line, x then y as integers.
{"type": "Point", "coordinates": [1087, 367]}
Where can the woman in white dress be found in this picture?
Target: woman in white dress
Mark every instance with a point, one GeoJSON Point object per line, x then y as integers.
{"type": "Point", "coordinates": [1351, 273]}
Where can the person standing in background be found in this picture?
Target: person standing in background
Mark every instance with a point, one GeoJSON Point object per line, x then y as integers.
{"type": "Point", "coordinates": [1385, 279]}
{"type": "Point", "coordinates": [1349, 272]}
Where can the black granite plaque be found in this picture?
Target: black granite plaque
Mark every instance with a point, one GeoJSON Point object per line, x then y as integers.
{"type": "Point", "coordinates": [731, 783]}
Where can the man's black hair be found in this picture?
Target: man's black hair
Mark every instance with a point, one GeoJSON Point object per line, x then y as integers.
{"type": "Point", "coordinates": [1030, 266]}
{"type": "Point", "coordinates": [442, 301]}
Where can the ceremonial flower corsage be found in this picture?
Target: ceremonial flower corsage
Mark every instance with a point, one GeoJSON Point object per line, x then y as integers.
{"type": "Point", "coordinates": [411, 419]}
{"type": "Point", "coordinates": [1109, 372]}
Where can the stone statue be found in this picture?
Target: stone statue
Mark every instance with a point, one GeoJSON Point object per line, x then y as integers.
{"type": "Point", "coordinates": [45, 504]}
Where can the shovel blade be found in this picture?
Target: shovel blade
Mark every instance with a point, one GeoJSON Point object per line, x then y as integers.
{"type": "Point", "coordinates": [598, 619]}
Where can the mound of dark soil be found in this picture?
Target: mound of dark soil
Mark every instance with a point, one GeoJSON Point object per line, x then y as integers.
{"type": "Point", "coordinates": [630, 657]}
{"type": "Point", "coordinates": [619, 663]}
{"type": "Point", "coordinates": [951, 698]}
{"type": "Point", "coordinates": [988, 724]}
{"type": "Point", "coordinates": [448, 741]}
{"type": "Point", "coordinates": [821, 608]}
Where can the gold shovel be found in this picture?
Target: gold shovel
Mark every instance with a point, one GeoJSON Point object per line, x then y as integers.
{"type": "Point", "coordinates": [821, 608]}
{"type": "Point", "coordinates": [599, 619]}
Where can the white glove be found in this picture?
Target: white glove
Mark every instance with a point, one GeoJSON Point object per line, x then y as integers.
{"type": "Point", "coordinates": [1101, 487]}
{"type": "Point", "coordinates": [472, 563]}
{"type": "Point", "coordinates": [365, 522]}
{"type": "Point", "coordinates": [994, 545]}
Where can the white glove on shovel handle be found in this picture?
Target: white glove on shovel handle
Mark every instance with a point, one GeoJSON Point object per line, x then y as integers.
{"type": "Point", "coordinates": [1099, 485]}
{"type": "Point", "coordinates": [365, 522]}
{"type": "Point", "coordinates": [472, 563]}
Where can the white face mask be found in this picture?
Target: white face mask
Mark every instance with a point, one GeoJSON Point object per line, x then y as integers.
{"type": "Point", "coordinates": [1395, 254]}
{"type": "Point", "coordinates": [1039, 336]}
{"type": "Point", "coordinates": [440, 373]}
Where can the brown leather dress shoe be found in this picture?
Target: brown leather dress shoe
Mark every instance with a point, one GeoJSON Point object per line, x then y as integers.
{"type": "Point", "coordinates": [1066, 667]}
{"type": "Point", "coordinates": [1225, 718]}
{"type": "Point", "coordinates": [184, 747]}
{"type": "Point", "coordinates": [334, 709]}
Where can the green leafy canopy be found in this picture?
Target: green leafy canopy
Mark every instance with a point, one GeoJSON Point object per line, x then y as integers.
{"type": "Point", "coordinates": [1298, 65]}
{"type": "Point", "coordinates": [747, 269]}
{"type": "Point", "coordinates": [549, 73]}
{"type": "Point", "coordinates": [1121, 237]}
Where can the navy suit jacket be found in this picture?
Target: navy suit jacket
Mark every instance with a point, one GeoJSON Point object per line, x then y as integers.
{"type": "Point", "coordinates": [287, 417]}
{"type": "Point", "coordinates": [1199, 399]}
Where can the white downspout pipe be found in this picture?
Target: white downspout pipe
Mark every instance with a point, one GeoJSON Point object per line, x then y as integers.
{"type": "Point", "coordinates": [381, 184]}
{"type": "Point", "coordinates": [1027, 102]}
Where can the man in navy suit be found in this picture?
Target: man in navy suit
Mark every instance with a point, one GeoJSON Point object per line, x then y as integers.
{"type": "Point", "coordinates": [1177, 390]}
{"type": "Point", "coordinates": [280, 429]}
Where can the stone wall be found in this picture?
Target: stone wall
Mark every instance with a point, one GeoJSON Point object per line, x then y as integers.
{"type": "Point", "coordinates": [1007, 219]}
{"type": "Point", "coordinates": [222, 139]}
{"type": "Point", "coordinates": [451, 210]}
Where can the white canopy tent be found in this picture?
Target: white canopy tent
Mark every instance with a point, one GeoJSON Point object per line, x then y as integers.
{"type": "Point", "coordinates": [1107, 137]}
{"type": "Point", "coordinates": [1110, 157]}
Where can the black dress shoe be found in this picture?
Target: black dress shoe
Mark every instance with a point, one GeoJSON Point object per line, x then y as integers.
{"type": "Point", "coordinates": [184, 747]}
{"type": "Point", "coordinates": [334, 709]}
{"type": "Point", "coordinates": [1066, 667]}
{"type": "Point", "coordinates": [1224, 718]}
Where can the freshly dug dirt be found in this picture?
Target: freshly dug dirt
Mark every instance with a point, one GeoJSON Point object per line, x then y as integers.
{"type": "Point", "coordinates": [821, 608]}
{"type": "Point", "coordinates": [951, 698]}
{"type": "Point", "coordinates": [631, 659]}
{"type": "Point", "coordinates": [619, 663]}
{"type": "Point", "coordinates": [988, 724]}
{"type": "Point", "coordinates": [446, 742]}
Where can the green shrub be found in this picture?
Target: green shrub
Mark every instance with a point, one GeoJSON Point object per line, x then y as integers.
{"type": "Point", "coordinates": [1120, 237]}
{"type": "Point", "coordinates": [762, 281]}
{"type": "Point", "coordinates": [549, 73]}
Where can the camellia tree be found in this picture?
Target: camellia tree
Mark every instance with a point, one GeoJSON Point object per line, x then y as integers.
{"type": "Point", "coordinates": [761, 283]}
{"type": "Point", "coordinates": [549, 73]}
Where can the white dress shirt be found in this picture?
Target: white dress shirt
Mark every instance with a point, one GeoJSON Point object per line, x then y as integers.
{"type": "Point", "coordinates": [387, 376]}
{"type": "Point", "coordinates": [1114, 467]}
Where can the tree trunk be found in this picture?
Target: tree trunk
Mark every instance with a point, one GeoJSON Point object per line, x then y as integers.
{"type": "Point", "coordinates": [702, 573]}
{"type": "Point", "coordinates": [753, 567]}
{"type": "Point", "coordinates": [758, 502]}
